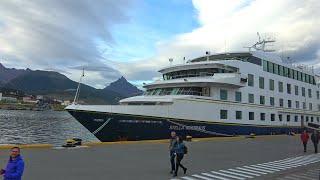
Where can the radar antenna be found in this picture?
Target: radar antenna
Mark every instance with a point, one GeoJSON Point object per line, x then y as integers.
{"type": "Point", "coordinates": [170, 60]}
{"type": "Point", "coordinates": [261, 44]}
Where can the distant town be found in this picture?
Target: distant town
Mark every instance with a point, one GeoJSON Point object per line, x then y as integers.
{"type": "Point", "coordinates": [16, 100]}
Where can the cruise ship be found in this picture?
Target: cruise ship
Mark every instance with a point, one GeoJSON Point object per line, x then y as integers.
{"type": "Point", "coordinates": [226, 94]}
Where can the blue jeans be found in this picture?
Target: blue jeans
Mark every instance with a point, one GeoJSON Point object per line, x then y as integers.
{"type": "Point", "coordinates": [172, 160]}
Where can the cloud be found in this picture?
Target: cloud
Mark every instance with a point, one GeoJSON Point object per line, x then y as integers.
{"type": "Point", "coordinates": [58, 35]}
{"type": "Point", "coordinates": [230, 25]}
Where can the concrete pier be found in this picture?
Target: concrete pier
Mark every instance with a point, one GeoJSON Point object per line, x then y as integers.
{"type": "Point", "coordinates": [207, 159]}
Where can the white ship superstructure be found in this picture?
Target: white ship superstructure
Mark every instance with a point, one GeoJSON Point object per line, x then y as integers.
{"type": "Point", "coordinates": [223, 94]}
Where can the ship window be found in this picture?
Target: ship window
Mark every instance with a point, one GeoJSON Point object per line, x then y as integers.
{"type": "Point", "coordinates": [261, 82]}
{"type": "Point", "coordinates": [262, 100]}
{"type": "Point", "coordinates": [175, 91]}
{"type": "Point", "coordinates": [303, 77]}
{"type": "Point", "coordinates": [313, 81]}
{"type": "Point", "coordinates": [251, 98]}
{"type": "Point", "coordinates": [280, 117]}
{"type": "Point", "coordinates": [197, 91]}
{"type": "Point", "coordinates": [295, 74]}
{"type": "Point", "coordinates": [286, 72]}
{"type": "Point", "coordinates": [271, 84]}
{"type": "Point", "coordinates": [272, 117]}
{"type": "Point", "coordinates": [291, 73]}
{"type": "Point", "coordinates": [262, 116]}
{"type": "Point", "coordinates": [299, 76]}
{"type": "Point", "coordinates": [281, 70]}
{"type": "Point", "coordinates": [251, 115]}
{"type": "Point", "coordinates": [310, 106]}
{"type": "Point", "coordinates": [288, 117]}
{"type": "Point", "coordinates": [281, 102]}
{"type": "Point", "coordinates": [250, 80]}
{"type": "Point", "coordinates": [254, 60]}
{"type": "Point", "coordinates": [296, 90]}
{"type": "Point", "coordinates": [265, 65]}
{"type": "Point", "coordinates": [318, 119]}
{"type": "Point", "coordinates": [297, 105]}
{"type": "Point", "coordinates": [280, 85]}
{"type": "Point", "coordinates": [309, 93]}
{"type": "Point", "coordinates": [307, 78]}
{"type": "Point", "coordinates": [223, 114]}
{"type": "Point", "coordinates": [272, 101]}
{"type": "Point", "coordinates": [270, 67]}
{"type": "Point", "coordinates": [295, 118]}
{"type": "Point", "coordinates": [276, 69]}
{"type": "Point", "coordinates": [223, 94]}
{"type": "Point", "coordinates": [238, 114]}
{"type": "Point", "coordinates": [197, 72]}
{"type": "Point", "coordinates": [318, 95]}
{"type": "Point", "coordinates": [289, 88]}
{"type": "Point", "coordinates": [238, 96]}
{"type": "Point", "coordinates": [157, 92]}
{"type": "Point", "coordinates": [303, 91]}
{"type": "Point", "coordinates": [289, 104]}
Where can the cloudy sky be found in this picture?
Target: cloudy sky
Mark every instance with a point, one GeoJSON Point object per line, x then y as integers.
{"type": "Point", "coordinates": [135, 38]}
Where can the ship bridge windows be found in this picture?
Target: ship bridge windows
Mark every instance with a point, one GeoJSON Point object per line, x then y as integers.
{"type": "Point", "coordinates": [246, 57]}
{"type": "Point", "coordinates": [198, 72]}
{"type": "Point", "coordinates": [287, 72]}
{"type": "Point", "coordinates": [197, 91]}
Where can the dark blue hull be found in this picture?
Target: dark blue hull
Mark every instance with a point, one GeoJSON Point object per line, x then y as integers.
{"type": "Point", "coordinates": [115, 127]}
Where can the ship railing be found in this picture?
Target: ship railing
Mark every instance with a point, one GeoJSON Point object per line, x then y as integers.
{"type": "Point", "coordinates": [186, 92]}
{"type": "Point", "coordinates": [188, 75]}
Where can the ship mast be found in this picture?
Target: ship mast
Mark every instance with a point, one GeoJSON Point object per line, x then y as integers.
{"type": "Point", "coordinates": [76, 97]}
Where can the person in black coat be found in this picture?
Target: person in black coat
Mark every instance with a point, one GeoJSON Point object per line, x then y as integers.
{"type": "Point", "coordinates": [179, 151]}
{"type": "Point", "coordinates": [315, 140]}
{"type": "Point", "coordinates": [173, 144]}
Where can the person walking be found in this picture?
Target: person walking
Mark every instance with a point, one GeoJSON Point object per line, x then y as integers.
{"type": "Point", "coordinates": [173, 143]}
{"type": "Point", "coordinates": [304, 138]}
{"type": "Point", "coordinates": [315, 140]}
{"type": "Point", "coordinates": [15, 166]}
{"type": "Point", "coordinates": [179, 150]}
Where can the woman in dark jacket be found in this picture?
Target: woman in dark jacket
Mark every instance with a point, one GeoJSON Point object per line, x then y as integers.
{"type": "Point", "coordinates": [179, 150]}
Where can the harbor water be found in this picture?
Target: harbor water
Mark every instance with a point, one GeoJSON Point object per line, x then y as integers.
{"type": "Point", "coordinates": [32, 127]}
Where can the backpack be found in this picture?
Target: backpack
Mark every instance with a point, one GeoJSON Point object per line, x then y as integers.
{"type": "Point", "coordinates": [185, 149]}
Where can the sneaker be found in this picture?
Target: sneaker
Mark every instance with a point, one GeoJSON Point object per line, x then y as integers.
{"type": "Point", "coordinates": [172, 171]}
{"type": "Point", "coordinates": [174, 175]}
{"type": "Point", "coordinates": [185, 170]}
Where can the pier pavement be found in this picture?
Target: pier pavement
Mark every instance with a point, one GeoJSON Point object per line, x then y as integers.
{"type": "Point", "coordinates": [265, 157]}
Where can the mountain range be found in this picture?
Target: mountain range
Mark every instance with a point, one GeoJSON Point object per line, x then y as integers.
{"type": "Point", "coordinates": [56, 85]}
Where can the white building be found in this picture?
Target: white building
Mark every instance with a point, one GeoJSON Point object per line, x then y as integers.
{"type": "Point", "coordinates": [28, 99]}
{"type": "Point", "coordinates": [66, 103]}
{"type": "Point", "coordinates": [9, 99]}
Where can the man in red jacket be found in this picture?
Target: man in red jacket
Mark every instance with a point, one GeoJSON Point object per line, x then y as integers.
{"type": "Point", "coordinates": [304, 138]}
